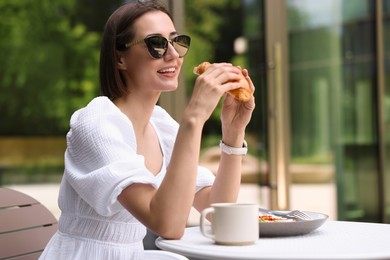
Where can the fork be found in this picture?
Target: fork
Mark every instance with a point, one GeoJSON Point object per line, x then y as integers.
{"type": "Point", "coordinates": [293, 214]}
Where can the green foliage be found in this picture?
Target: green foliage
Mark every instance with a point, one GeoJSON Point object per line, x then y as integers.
{"type": "Point", "coordinates": [47, 68]}
{"type": "Point", "coordinates": [213, 26]}
{"type": "Point", "coordinates": [49, 54]}
{"type": "Point", "coordinates": [202, 23]}
{"type": "Point", "coordinates": [32, 174]}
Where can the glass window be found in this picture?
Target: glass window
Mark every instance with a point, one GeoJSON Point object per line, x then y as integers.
{"type": "Point", "coordinates": [386, 103]}
{"type": "Point", "coordinates": [332, 60]}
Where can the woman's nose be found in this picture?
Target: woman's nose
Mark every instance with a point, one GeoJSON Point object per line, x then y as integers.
{"type": "Point", "coordinates": [171, 51]}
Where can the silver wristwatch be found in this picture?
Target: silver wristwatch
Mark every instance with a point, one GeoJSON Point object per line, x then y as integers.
{"type": "Point", "coordinates": [234, 150]}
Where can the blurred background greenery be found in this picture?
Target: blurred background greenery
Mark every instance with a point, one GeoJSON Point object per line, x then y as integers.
{"type": "Point", "coordinates": [48, 65]}
{"type": "Point", "coordinates": [49, 52]}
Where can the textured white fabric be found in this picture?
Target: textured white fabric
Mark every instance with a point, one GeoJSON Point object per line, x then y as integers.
{"type": "Point", "coordinates": [100, 161]}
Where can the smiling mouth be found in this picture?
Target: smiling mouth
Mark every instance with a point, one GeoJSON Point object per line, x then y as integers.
{"type": "Point", "coordinates": [168, 70]}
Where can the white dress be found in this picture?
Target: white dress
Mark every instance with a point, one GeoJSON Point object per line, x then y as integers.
{"type": "Point", "coordinates": [100, 161]}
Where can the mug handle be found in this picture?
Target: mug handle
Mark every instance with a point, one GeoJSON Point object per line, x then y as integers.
{"type": "Point", "coordinates": [203, 216]}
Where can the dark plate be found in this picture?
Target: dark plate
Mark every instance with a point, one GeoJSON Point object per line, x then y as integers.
{"type": "Point", "coordinates": [295, 228]}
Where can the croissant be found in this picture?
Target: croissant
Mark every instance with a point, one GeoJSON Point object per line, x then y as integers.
{"type": "Point", "coordinates": [242, 94]}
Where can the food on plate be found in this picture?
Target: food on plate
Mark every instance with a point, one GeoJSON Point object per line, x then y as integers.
{"type": "Point", "coordinates": [242, 94]}
{"type": "Point", "coordinates": [271, 218]}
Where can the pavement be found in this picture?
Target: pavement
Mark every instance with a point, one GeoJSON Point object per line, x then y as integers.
{"type": "Point", "coordinates": [310, 197]}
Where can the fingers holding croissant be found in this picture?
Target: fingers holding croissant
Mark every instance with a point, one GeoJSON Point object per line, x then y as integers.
{"type": "Point", "coordinates": [242, 94]}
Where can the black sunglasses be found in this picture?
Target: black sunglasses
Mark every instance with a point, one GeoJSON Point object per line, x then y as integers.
{"type": "Point", "coordinates": [158, 45]}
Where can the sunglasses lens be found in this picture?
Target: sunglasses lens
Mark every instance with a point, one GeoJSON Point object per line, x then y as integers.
{"type": "Point", "coordinates": [157, 46]}
{"type": "Point", "coordinates": [181, 44]}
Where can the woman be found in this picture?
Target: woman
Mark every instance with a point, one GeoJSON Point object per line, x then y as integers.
{"type": "Point", "coordinates": [128, 165]}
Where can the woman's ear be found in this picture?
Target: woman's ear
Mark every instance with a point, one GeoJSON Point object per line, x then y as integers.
{"type": "Point", "coordinates": [121, 62]}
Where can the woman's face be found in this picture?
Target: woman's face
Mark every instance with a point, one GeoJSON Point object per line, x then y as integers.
{"type": "Point", "coordinates": [144, 73]}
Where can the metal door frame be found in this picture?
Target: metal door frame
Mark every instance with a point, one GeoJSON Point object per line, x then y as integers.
{"type": "Point", "coordinates": [278, 102]}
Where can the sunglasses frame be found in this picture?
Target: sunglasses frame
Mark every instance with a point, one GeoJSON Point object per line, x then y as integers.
{"type": "Point", "coordinates": [151, 49]}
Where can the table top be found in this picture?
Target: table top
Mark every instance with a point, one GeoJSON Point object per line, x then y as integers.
{"type": "Point", "coordinates": [333, 240]}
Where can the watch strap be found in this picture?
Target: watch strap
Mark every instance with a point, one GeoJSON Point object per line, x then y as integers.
{"type": "Point", "coordinates": [234, 150]}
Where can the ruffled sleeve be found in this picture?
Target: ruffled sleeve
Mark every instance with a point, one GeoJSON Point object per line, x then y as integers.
{"type": "Point", "coordinates": [101, 158]}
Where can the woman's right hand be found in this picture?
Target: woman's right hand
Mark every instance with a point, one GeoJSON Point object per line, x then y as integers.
{"type": "Point", "coordinates": [209, 87]}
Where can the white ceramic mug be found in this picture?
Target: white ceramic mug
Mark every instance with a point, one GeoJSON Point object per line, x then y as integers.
{"type": "Point", "coordinates": [231, 223]}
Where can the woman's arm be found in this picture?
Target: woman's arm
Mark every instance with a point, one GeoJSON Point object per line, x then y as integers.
{"type": "Point", "coordinates": [165, 211]}
{"type": "Point", "coordinates": [235, 117]}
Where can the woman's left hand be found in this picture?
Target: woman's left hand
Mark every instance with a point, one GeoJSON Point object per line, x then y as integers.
{"type": "Point", "coordinates": [235, 114]}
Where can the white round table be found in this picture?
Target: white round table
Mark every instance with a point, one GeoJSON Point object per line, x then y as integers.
{"type": "Point", "coordinates": [333, 240]}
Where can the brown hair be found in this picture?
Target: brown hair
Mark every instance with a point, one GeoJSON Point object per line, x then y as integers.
{"type": "Point", "coordinates": [117, 32]}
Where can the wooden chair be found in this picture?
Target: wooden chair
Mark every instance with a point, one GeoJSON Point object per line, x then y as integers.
{"type": "Point", "coordinates": [26, 226]}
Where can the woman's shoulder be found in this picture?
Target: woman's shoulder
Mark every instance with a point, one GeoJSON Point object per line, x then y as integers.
{"type": "Point", "coordinates": [99, 108]}
{"type": "Point", "coordinates": [100, 116]}
{"type": "Point", "coordinates": [95, 108]}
